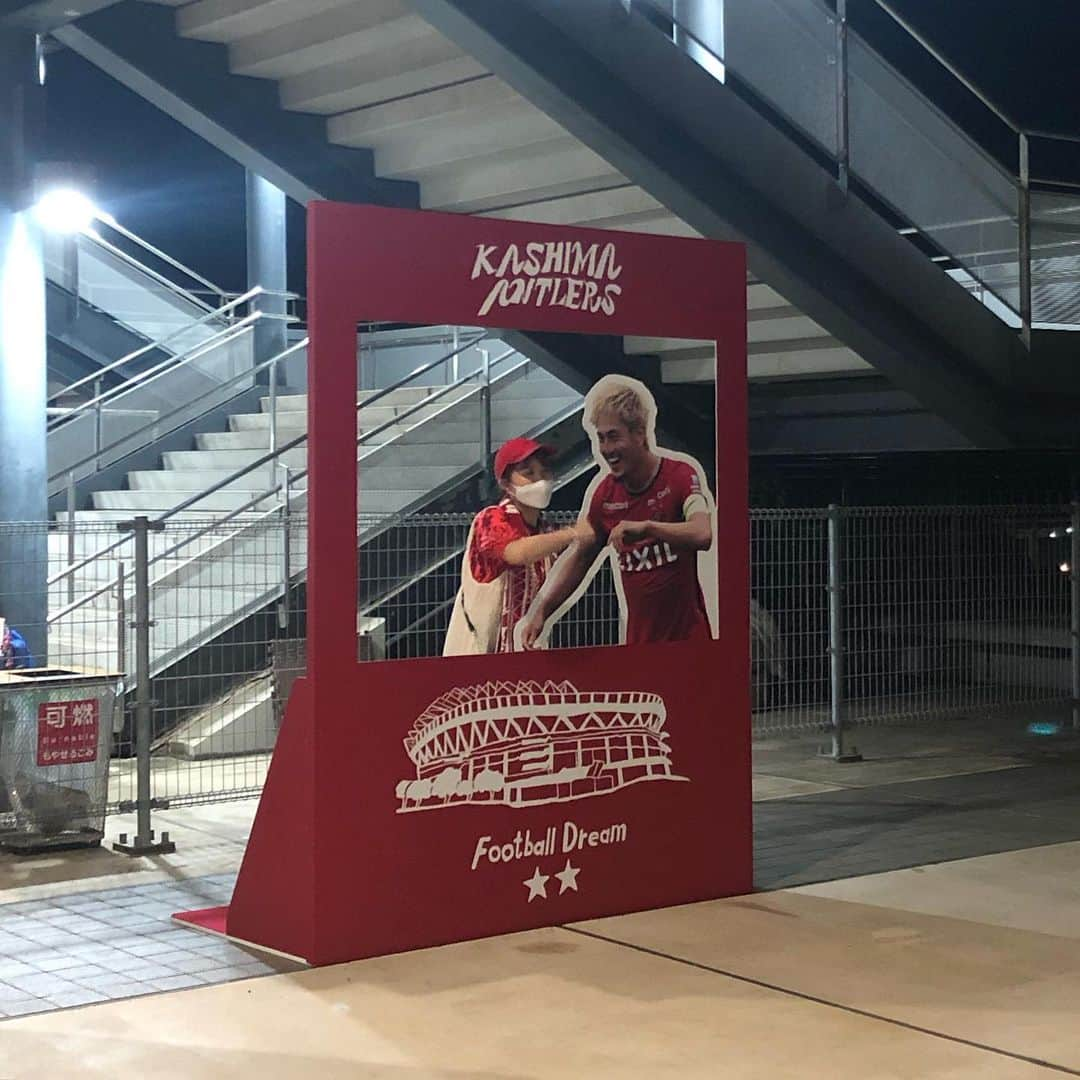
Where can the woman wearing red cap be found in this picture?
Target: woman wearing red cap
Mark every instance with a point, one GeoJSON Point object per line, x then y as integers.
{"type": "Point", "coordinates": [508, 553]}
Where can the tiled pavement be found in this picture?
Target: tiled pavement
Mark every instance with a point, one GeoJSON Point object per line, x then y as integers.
{"type": "Point", "coordinates": [96, 946]}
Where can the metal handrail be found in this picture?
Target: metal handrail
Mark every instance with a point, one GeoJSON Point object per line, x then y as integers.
{"type": "Point", "coordinates": [113, 224]}
{"type": "Point", "coordinates": [254, 500]}
{"type": "Point", "coordinates": [226, 337]}
{"type": "Point", "coordinates": [142, 268]}
{"type": "Point", "coordinates": [390, 339]}
{"type": "Point", "coordinates": [299, 475]}
{"type": "Point", "coordinates": [240, 376]}
{"type": "Point", "coordinates": [172, 363]}
{"type": "Point", "coordinates": [1021, 179]}
{"type": "Point", "coordinates": [1013, 125]}
{"type": "Point", "coordinates": [264, 460]}
{"type": "Point", "coordinates": [158, 344]}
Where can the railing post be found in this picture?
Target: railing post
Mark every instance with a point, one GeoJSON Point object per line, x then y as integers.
{"type": "Point", "coordinates": [842, 145]}
{"type": "Point", "coordinates": [144, 842]}
{"type": "Point", "coordinates": [98, 422]}
{"type": "Point", "coordinates": [836, 640]}
{"type": "Point", "coordinates": [1024, 222]}
{"type": "Point", "coordinates": [71, 502]}
{"type": "Point", "coordinates": [485, 419]}
{"type": "Point", "coordinates": [286, 557]}
{"type": "Point", "coordinates": [273, 419]}
{"type": "Point", "coordinates": [1074, 610]}
{"type": "Point", "coordinates": [455, 360]}
{"type": "Point", "coordinates": [121, 622]}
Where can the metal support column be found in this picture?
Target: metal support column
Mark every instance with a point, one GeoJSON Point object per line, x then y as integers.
{"type": "Point", "coordinates": [842, 151]}
{"type": "Point", "coordinates": [1074, 610]}
{"type": "Point", "coordinates": [24, 477]}
{"type": "Point", "coordinates": [267, 265]}
{"type": "Point", "coordinates": [836, 642]}
{"type": "Point", "coordinates": [1023, 214]}
{"type": "Point", "coordinates": [144, 842]}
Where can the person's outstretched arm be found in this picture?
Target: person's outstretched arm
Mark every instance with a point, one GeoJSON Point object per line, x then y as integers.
{"type": "Point", "coordinates": [694, 534]}
{"type": "Point", "coordinates": [566, 577]}
{"type": "Point", "coordinates": [530, 549]}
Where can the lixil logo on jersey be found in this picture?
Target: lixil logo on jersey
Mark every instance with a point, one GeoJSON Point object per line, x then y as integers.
{"type": "Point", "coordinates": [649, 557]}
{"type": "Point", "coordinates": [561, 273]}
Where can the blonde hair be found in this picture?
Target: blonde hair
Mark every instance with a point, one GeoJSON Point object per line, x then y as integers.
{"type": "Point", "coordinates": [630, 401]}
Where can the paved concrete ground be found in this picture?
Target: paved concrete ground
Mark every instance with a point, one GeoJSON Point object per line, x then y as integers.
{"type": "Point", "coordinates": [922, 795]}
{"type": "Point", "coordinates": [885, 980]}
{"type": "Point", "coordinates": [93, 925]}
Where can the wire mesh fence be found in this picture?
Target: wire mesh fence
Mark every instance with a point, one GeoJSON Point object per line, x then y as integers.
{"type": "Point", "coordinates": [938, 612]}
{"type": "Point", "coordinates": [942, 611]}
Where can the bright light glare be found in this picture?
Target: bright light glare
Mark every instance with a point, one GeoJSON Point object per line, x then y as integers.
{"type": "Point", "coordinates": [1053, 534]}
{"type": "Point", "coordinates": [64, 210]}
{"type": "Point", "coordinates": [1064, 567]}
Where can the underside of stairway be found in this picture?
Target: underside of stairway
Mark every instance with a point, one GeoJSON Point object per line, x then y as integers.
{"type": "Point", "coordinates": [421, 104]}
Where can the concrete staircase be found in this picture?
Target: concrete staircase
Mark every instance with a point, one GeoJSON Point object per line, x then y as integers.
{"type": "Point", "coordinates": [209, 570]}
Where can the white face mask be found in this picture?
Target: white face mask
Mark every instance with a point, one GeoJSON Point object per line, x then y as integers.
{"type": "Point", "coordinates": [537, 494]}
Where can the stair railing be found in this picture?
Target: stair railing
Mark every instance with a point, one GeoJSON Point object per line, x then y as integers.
{"type": "Point", "coordinates": [262, 462]}
{"type": "Point", "coordinates": [1057, 217]}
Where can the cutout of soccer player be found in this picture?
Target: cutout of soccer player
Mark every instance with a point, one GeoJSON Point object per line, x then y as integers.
{"type": "Point", "coordinates": [651, 513]}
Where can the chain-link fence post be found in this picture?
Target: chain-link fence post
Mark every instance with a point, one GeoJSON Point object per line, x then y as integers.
{"type": "Point", "coordinates": [144, 842]}
{"type": "Point", "coordinates": [121, 622]}
{"type": "Point", "coordinates": [837, 750]}
{"type": "Point", "coordinates": [1074, 610]}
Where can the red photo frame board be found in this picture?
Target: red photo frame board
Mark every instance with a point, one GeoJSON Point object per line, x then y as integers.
{"type": "Point", "coordinates": [340, 864]}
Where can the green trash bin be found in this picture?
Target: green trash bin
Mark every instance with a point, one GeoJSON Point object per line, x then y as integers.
{"type": "Point", "coordinates": [56, 731]}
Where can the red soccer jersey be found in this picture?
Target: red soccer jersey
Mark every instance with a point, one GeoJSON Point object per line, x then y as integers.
{"type": "Point", "coordinates": [663, 597]}
{"type": "Point", "coordinates": [494, 529]}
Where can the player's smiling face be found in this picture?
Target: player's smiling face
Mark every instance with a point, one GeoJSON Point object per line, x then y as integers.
{"type": "Point", "coordinates": [622, 448]}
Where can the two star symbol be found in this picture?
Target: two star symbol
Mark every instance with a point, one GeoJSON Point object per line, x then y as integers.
{"type": "Point", "coordinates": [537, 884]}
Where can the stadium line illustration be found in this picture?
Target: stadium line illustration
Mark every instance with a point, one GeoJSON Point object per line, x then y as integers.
{"type": "Point", "coordinates": [529, 743]}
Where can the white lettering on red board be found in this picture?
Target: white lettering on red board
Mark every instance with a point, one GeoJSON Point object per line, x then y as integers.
{"type": "Point", "coordinates": [556, 273]}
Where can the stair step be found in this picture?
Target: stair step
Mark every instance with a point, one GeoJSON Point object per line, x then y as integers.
{"type": "Point", "coordinates": [530, 385]}
{"type": "Point", "coordinates": [402, 398]}
{"type": "Point", "coordinates": [190, 460]}
{"type": "Point", "coordinates": [529, 411]}
{"type": "Point", "coordinates": [295, 421]}
{"type": "Point", "coordinates": [189, 481]}
{"type": "Point", "coordinates": [158, 502]}
{"type": "Point", "coordinates": [404, 452]}
{"type": "Point", "coordinates": [186, 482]}
{"type": "Point", "coordinates": [259, 438]}
{"type": "Point", "coordinates": [393, 475]}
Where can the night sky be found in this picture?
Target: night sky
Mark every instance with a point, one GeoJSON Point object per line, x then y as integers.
{"type": "Point", "coordinates": [184, 196]}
